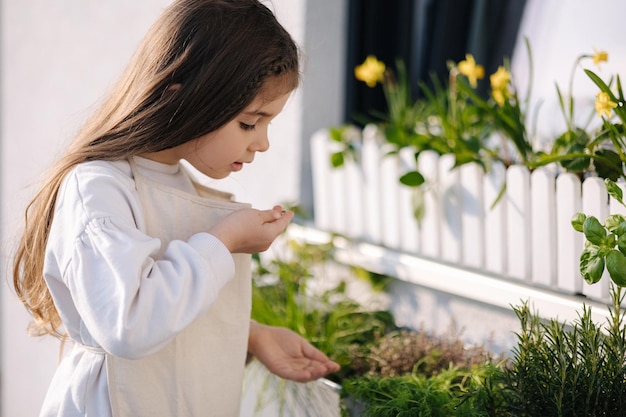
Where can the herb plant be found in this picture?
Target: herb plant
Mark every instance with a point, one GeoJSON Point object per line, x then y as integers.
{"type": "Point", "coordinates": [558, 370]}
{"type": "Point", "coordinates": [451, 392]}
{"type": "Point", "coordinates": [605, 243]}
{"type": "Point", "coordinates": [329, 318]}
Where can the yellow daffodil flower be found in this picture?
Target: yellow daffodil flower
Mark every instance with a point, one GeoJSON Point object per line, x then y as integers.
{"type": "Point", "coordinates": [471, 70]}
{"type": "Point", "coordinates": [500, 95]}
{"type": "Point", "coordinates": [604, 105]}
{"type": "Point", "coordinates": [600, 56]}
{"type": "Point", "coordinates": [500, 79]}
{"type": "Point", "coordinates": [371, 71]}
{"type": "Point", "coordinates": [500, 85]}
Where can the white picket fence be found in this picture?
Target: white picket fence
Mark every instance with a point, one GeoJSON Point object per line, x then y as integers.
{"type": "Point", "coordinates": [526, 237]}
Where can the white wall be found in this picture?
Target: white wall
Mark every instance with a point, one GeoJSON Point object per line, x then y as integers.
{"type": "Point", "coordinates": [58, 58]}
{"type": "Point", "coordinates": [559, 31]}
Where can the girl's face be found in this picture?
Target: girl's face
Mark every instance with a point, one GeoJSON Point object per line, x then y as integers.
{"type": "Point", "coordinates": [227, 149]}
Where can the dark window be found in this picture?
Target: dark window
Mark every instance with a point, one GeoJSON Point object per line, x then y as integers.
{"type": "Point", "coordinates": [425, 34]}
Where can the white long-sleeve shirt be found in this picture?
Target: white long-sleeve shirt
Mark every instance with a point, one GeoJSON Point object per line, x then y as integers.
{"type": "Point", "coordinates": [110, 291]}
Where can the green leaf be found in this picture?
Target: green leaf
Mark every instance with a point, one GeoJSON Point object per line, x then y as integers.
{"type": "Point", "coordinates": [336, 133]}
{"type": "Point", "coordinates": [412, 179]}
{"type": "Point", "coordinates": [611, 241]}
{"type": "Point", "coordinates": [616, 265]}
{"type": "Point", "coordinates": [613, 223]}
{"type": "Point", "coordinates": [578, 220]}
{"type": "Point", "coordinates": [621, 243]}
{"type": "Point", "coordinates": [579, 139]}
{"type": "Point", "coordinates": [601, 84]}
{"type": "Point", "coordinates": [594, 231]}
{"type": "Point", "coordinates": [608, 164]}
{"type": "Point", "coordinates": [591, 265]}
{"type": "Point", "coordinates": [336, 159]}
{"type": "Point", "coordinates": [614, 190]}
{"type": "Point", "coordinates": [621, 227]}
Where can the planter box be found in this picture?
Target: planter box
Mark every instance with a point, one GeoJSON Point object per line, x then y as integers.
{"type": "Point", "coordinates": [526, 237]}
{"type": "Point", "coordinates": [266, 395]}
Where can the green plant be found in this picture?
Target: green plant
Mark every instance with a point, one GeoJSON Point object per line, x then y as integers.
{"type": "Point", "coordinates": [451, 392]}
{"type": "Point", "coordinates": [405, 351]}
{"type": "Point", "coordinates": [456, 119]}
{"type": "Point", "coordinates": [605, 243]}
{"type": "Point", "coordinates": [610, 162]}
{"type": "Point", "coordinates": [328, 318]}
{"type": "Point", "coordinates": [298, 289]}
{"type": "Point", "coordinates": [581, 149]}
{"type": "Point", "coordinates": [411, 372]}
{"type": "Point", "coordinates": [558, 370]}
{"type": "Point", "coordinates": [504, 109]}
{"type": "Point", "coordinates": [366, 343]}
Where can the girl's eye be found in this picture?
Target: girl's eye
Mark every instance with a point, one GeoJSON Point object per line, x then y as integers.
{"type": "Point", "coordinates": [245, 126]}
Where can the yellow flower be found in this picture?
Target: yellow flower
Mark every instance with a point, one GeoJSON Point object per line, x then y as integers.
{"type": "Point", "coordinates": [371, 71]}
{"type": "Point", "coordinates": [604, 104]}
{"type": "Point", "coordinates": [500, 79]}
{"type": "Point", "coordinates": [472, 71]}
{"type": "Point", "coordinates": [500, 95]}
{"type": "Point", "coordinates": [600, 56]}
{"type": "Point", "coordinates": [500, 85]}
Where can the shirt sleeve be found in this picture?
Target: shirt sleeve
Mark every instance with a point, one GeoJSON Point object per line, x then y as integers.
{"type": "Point", "coordinates": [130, 302]}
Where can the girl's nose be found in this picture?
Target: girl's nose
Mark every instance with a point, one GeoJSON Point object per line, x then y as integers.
{"type": "Point", "coordinates": [261, 143]}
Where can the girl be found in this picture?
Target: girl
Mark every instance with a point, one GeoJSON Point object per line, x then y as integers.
{"type": "Point", "coordinates": [144, 270]}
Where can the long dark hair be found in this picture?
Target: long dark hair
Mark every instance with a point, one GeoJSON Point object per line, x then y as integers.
{"type": "Point", "coordinates": [200, 64]}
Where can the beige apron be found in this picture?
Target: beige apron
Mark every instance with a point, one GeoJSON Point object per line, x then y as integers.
{"type": "Point", "coordinates": [200, 371]}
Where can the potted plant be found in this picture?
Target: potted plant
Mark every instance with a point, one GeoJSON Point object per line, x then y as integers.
{"type": "Point", "coordinates": [410, 373]}
{"type": "Point", "coordinates": [300, 288]}
{"type": "Point", "coordinates": [567, 369]}
{"type": "Point", "coordinates": [456, 119]}
{"type": "Point", "coordinates": [474, 188]}
{"type": "Point", "coordinates": [556, 368]}
{"type": "Point", "coordinates": [293, 290]}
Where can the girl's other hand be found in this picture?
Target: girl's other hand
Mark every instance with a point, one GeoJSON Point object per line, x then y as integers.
{"type": "Point", "coordinates": [287, 354]}
{"type": "Point", "coordinates": [250, 230]}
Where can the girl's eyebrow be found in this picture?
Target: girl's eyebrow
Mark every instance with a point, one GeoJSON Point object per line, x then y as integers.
{"type": "Point", "coordinates": [257, 113]}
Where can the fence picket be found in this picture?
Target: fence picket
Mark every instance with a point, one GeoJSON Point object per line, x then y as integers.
{"type": "Point", "coordinates": [410, 230]}
{"type": "Point", "coordinates": [518, 222]}
{"type": "Point", "coordinates": [389, 199]}
{"type": "Point", "coordinates": [569, 241]}
{"type": "Point", "coordinates": [430, 238]}
{"type": "Point", "coordinates": [473, 215]}
{"type": "Point", "coordinates": [355, 218]}
{"type": "Point", "coordinates": [338, 201]}
{"type": "Point", "coordinates": [543, 229]}
{"type": "Point", "coordinates": [495, 220]}
{"type": "Point", "coordinates": [371, 157]}
{"type": "Point", "coordinates": [321, 166]}
{"type": "Point", "coordinates": [450, 202]}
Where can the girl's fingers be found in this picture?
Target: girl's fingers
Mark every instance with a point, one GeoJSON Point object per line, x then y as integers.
{"type": "Point", "coordinates": [274, 214]}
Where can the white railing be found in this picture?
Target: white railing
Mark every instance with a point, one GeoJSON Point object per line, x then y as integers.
{"type": "Point", "coordinates": [526, 237]}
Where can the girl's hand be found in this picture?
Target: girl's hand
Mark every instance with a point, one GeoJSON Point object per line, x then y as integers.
{"type": "Point", "coordinates": [287, 354]}
{"type": "Point", "coordinates": [250, 230]}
